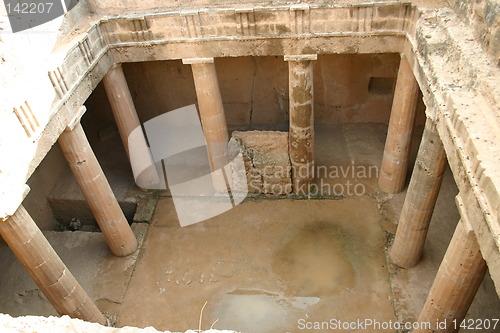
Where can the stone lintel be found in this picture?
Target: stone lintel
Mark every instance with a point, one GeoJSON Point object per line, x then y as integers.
{"type": "Point", "coordinates": [191, 61]}
{"type": "Point", "coordinates": [189, 12]}
{"type": "Point", "coordinates": [300, 6]}
{"type": "Point", "coordinates": [301, 57]}
{"type": "Point", "coordinates": [464, 217]}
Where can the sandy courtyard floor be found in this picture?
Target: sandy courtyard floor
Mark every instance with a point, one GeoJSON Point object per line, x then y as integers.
{"type": "Point", "coordinates": [267, 265]}
{"type": "Point", "coordinates": [294, 261]}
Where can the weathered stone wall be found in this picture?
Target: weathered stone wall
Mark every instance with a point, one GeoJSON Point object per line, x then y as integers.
{"type": "Point", "coordinates": [117, 6]}
{"type": "Point", "coordinates": [267, 167]}
{"type": "Point", "coordinates": [484, 17]}
{"type": "Point", "coordinates": [41, 184]}
{"type": "Point", "coordinates": [348, 88]}
{"type": "Point", "coordinates": [91, 43]}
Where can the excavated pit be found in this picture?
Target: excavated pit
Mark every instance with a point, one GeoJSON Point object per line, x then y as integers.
{"type": "Point", "coordinates": [277, 262]}
{"type": "Point", "coordinates": [270, 264]}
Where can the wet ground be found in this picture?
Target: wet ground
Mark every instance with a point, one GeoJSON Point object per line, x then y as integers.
{"type": "Point", "coordinates": [296, 259]}
{"type": "Point", "coordinates": [268, 265]}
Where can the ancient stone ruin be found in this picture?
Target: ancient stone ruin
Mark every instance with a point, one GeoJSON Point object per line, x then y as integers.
{"type": "Point", "coordinates": [254, 166]}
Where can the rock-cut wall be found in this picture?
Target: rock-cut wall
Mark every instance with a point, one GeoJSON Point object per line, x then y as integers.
{"type": "Point", "coordinates": [267, 167]}
{"type": "Point", "coordinates": [484, 17]}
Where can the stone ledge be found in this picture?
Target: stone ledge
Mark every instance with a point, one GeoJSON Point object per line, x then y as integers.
{"type": "Point", "coordinates": [453, 72]}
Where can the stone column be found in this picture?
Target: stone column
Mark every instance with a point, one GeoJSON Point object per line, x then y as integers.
{"type": "Point", "coordinates": [127, 121]}
{"type": "Point", "coordinates": [397, 145]}
{"type": "Point", "coordinates": [420, 199]}
{"type": "Point", "coordinates": [97, 192]}
{"type": "Point", "coordinates": [301, 138]}
{"type": "Point", "coordinates": [213, 119]}
{"type": "Point", "coordinates": [458, 278]}
{"type": "Point", "coordinates": [53, 278]}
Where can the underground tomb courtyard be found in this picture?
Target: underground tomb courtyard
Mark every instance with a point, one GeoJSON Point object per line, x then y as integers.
{"type": "Point", "coordinates": [389, 108]}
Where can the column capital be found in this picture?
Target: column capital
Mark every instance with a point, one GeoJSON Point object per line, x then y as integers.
{"type": "Point", "coordinates": [192, 61]}
{"type": "Point", "coordinates": [301, 57]}
{"type": "Point", "coordinates": [76, 118]}
{"type": "Point", "coordinates": [115, 66]}
{"type": "Point", "coordinates": [300, 6]}
{"type": "Point", "coordinates": [464, 216]}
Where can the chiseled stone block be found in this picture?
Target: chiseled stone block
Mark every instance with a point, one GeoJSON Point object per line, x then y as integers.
{"type": "Point", "coordinates": [266, 160]}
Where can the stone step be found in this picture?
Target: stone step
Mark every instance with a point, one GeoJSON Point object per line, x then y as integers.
{"type": "Point", "coordinates": [102, 275]}
{"type": "Point", "coordinates": [67, 200]}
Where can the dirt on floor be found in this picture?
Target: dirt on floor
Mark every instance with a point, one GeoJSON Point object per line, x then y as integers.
{"type": "Point", "coordinates": [269, 264]}
{"type": "Point", "coordinates": [296, 260]}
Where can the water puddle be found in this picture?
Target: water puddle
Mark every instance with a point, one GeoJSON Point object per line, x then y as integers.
{"type": "Point", "coordinates": [252, 312]}
{"type": "Point", "coordinates": [315, 262]}
{"type": "Point", "coordinates": [258, 311]}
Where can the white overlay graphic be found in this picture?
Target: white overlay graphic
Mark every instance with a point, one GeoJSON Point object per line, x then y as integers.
{"type": "Point", "coordinates": [177, 150]}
